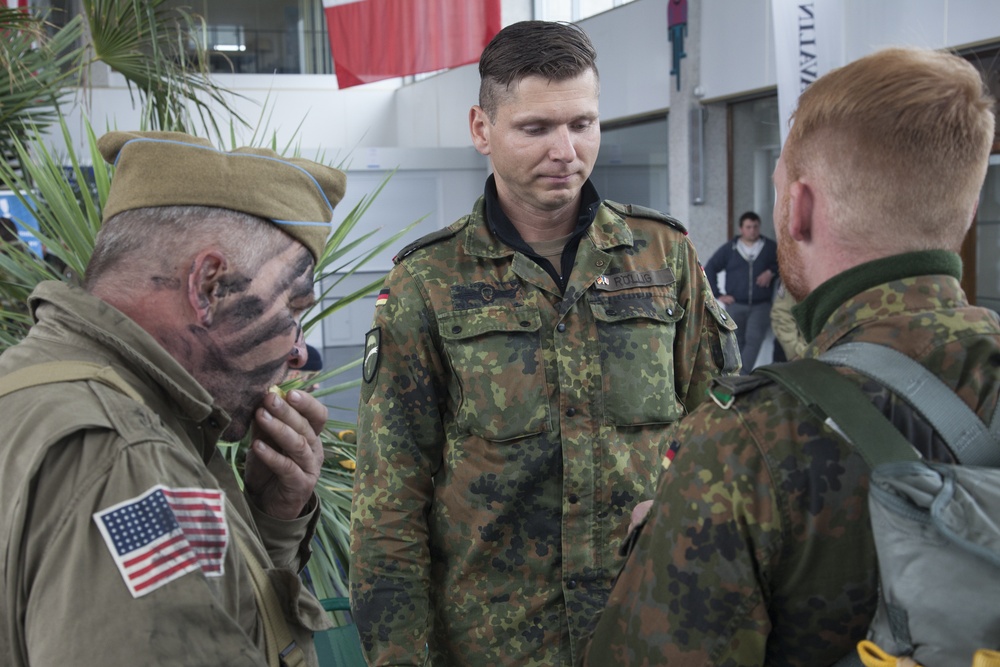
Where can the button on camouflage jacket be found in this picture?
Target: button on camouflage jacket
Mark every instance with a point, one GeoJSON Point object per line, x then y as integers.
{"type": "Point", "coordinates": [758, 549]}
{"type": "Point", "coordinates": [507, 430]}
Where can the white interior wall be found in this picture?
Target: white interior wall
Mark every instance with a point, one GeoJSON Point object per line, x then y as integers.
{"type": "Point", "coordinates": [738, 41]}
{"type": "Point", "coordinates": [298, 109]}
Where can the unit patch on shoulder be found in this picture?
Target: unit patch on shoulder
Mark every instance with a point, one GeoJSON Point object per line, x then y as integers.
{"type": "Point", "coordinates": [369, 366]}
{"type": "Point", "coordinates": [165, 533]}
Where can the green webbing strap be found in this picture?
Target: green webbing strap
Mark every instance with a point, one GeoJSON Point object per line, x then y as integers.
{"type": "Point", "coordinates": [65, 371]}
{"type": "Point", "coordinates": [961, 428]}
{"type": "Point", "coordinates": [844, 407]}
{"type": "Point", "coordinates": [841, 404]}
{"type": "Point", "coordinates": [280, 647]}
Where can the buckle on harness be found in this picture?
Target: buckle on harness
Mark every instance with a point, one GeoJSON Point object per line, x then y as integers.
{"type": "Point", "coordinates": [723, 400]}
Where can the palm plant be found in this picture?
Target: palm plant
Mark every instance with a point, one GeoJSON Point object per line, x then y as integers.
{"type": "Point", "coordinates": [158, 49]}
{"type": "Point", "coordinates": [68, 224]}
{"type": "Point", "coordinates": [68, 216]}
{"type": "Point", "coordinates": [151, 47]}
{"type": "Point", "coordinates": [34, 70]}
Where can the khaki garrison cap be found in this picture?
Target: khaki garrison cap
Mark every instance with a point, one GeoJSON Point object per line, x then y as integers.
{"type": "Point", "coordinates": [177, 169]}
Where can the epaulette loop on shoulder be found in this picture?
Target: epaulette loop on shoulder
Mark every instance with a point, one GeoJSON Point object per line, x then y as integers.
{"type": "Point", "coordinates": [425, 241]}
{"type": "Point", "coordinates": [724, 390]}
{"type": "Point", "coordinates": [636, 211]}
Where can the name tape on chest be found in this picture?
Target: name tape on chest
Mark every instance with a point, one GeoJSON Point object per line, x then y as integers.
{"type": "Point", "coordinates": [631, 279]}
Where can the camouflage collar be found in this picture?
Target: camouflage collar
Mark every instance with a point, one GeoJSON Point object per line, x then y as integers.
{"type": "Point", "coordinates": [480, 241]}
{"type": "Point", "coordinates": [609, 229]}
{"type": "Point", "coordinates": [812, 314]}
{"type": "Point", "coordinates": [75, 310]}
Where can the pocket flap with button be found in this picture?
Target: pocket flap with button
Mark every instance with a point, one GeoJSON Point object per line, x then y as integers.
{"type": "Point", "coordinates": [462, 324]}
{"type": "Point", "coordinates": [666, 311]}
{"type": "Point", "coordinates": [637, 333]}
{"type": "Point", "coordinates": [498, 367]}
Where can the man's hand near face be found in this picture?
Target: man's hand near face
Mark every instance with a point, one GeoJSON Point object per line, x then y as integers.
{"type": "Point", "coordinates": [286, 454]}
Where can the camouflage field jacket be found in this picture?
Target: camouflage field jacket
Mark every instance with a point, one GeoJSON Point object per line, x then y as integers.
{"type": "Point", "coordinates": [758, 549]}
{"type": "Point", "coordinates": [507, 430]}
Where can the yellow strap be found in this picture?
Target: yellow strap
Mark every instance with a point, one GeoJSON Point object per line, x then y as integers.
{"type": "Point", "coordinates": [281, 649]}
{"type": "Point", "coordinates": [65, 371]}
{"type": "Point", "coordinates": [986, 658]}
{"type": "Point", "coordinates": [873, 656]}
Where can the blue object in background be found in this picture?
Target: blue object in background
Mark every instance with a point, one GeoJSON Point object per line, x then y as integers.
{"type": "Point", "coordinates": [11, 207]}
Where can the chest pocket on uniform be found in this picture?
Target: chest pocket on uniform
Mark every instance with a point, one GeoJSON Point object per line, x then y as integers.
{"type": "Point", "coordinates": [637, 331]}
{"type": "Point", "coordinates": [496, 359]}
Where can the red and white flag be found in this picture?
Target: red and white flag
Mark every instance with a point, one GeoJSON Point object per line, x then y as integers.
{"type": "Point", "coordinates": [373, 40]}
{"type": "Point", "coordinates": [165, 533]}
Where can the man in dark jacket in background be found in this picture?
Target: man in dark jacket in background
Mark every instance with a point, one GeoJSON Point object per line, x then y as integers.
{"type": "Point", "coordinates": [751, 265]}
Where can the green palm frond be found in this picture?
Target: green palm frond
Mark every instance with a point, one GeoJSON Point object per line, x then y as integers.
{"type": "Point", "coordinates": [66, 197]}
{"type": "Point", "coordinates": [34, 73]}
{"type": "Point", "coordinates": [158, 49]}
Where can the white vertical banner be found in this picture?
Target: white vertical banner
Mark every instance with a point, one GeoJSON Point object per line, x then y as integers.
{"type": "Point", "coordinates": [808, 42]}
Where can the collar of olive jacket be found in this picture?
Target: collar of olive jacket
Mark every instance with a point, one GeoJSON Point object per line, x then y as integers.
{"type": "Point", "coordinates": [129, 349]}
{"type": "Point", "coordinates": [814, 311]}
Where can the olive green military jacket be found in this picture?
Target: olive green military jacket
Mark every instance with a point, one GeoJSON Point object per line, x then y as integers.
{"type": "Point", "coordinates": [74, 454]}
{"type": "Point", "coordinates": [758, 549]}
{"type": "Point", "coordinates": [506, 431]}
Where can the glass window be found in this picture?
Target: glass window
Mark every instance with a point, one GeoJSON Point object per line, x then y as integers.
{"type": "Point", "coordinates": [263, 36]}
{"type": "Point", "coordinates": [632, 165]}
{"type": "Point", "coordinates": [756, 144]}
{"type": "Point", "coordinates": [988, 239]}
{"type": "Point", "coordinates": [983, 253]}
{"type": "Point", "coordinates": [289, 36]}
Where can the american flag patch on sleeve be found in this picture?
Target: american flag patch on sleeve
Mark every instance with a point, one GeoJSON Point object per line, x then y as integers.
{"type": "Point", "coordinates": [165, 533]}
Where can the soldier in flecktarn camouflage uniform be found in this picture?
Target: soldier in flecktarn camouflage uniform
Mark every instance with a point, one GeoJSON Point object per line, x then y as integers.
{"type": "Point", "coordinates": [522, 369]}
{"type": "Point", "coordinates": [758, 549]}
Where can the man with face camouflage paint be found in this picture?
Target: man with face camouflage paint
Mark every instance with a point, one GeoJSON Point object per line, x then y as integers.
{"type": "Point", "coordinates": [129, 539]}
